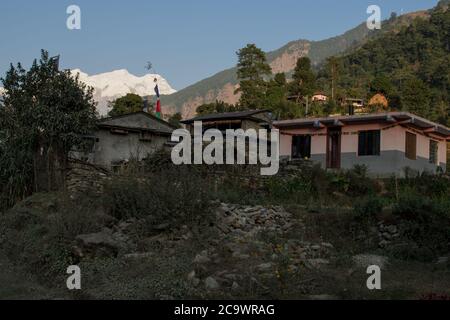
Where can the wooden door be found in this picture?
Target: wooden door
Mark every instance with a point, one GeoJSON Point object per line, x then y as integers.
{"type": "Point", "coordinates": [334, 148]}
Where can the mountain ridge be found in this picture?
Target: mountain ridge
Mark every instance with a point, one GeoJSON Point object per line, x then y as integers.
{"type": "Point", "coordinates": [221, 86]}
{"type": "Point", "coordinates": [109, 86]}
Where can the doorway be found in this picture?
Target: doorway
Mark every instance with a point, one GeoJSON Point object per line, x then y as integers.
{"type": "Point", "coordinates": [334, 136]}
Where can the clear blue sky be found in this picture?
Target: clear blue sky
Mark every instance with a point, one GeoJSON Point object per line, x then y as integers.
{"type": "Point", "coordinates": [186, 40]}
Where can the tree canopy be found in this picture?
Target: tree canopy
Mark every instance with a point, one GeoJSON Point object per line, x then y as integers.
{"type": "Point", "coordinates": [127, 104]}
{"type": "Point", "coordinates": [44, 115]}
{"type": "Point", "coordinates": [252, 71]}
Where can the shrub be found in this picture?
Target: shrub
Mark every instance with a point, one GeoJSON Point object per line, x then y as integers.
{"type": "Point", "coordinates": [426, 184]}
{"type": "Point", "coordinates": [425, 221]}
{"type": "Point", "coordinates": [175, 196]}
{"type": "Point", "coordinates": [367, 209]}
{"type": "Point", "coordinates": [37, 236]}
{"type": "Point", "coordinates": [412, 251]}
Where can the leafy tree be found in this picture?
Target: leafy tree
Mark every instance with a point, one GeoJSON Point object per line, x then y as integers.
{"type": "Point", "coordinates": [215, 107]}
{"type": "Point", "coordinates": [333, 69]}
{"type": "Point", "coordinates": [175, 120]}
{"type": "Point", "coordinates": [252, 71]}
{"type": "Point", "coordinates": [411, 65]}
{"type": "Point", "coordinates": [44, 115]}
{"type": "Point", "coordinates": [303, 80]}
{"type": "Point", "coordinates": [127, 104]}
{"type": "Point", "coordinates": [381, 84]}
{"type": "Point", "coordinates": [416, 96]}
{"type": "Point", "coordinates": [276, 99]}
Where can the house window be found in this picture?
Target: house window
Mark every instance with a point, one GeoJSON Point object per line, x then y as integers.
{"type": "Point", "coordinates": [434, 152]}
{"type": "Point", "coordinates": [301, 147]}
{"type": "Point", "coordinates": [411, 146]}
{"type": "Point", "coordinates": [369, 143]}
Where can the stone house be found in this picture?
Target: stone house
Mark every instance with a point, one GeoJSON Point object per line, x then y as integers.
{"type": "Point", "coordinates": [121, 139]}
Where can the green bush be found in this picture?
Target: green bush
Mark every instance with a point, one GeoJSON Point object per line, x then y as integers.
{"type": "Point", "coordinates": [425, 221]}
{"type": "Point", "coordinates": [430, 185]}
{"type": "Point", "coordinates": [354, 182]}
{"type": "Point", "coordinates": [412, 251]}
{"type": "Point", "coordinates": [38, 236]}
{"type": "Point", "coordinates": [367, 209]}
{"type": "Point", "coordinates": [176, 196]}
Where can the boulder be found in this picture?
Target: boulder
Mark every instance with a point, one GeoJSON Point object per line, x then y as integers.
{"type": "Point", "coordinates": [264, 267]}
{"type": "Point", "coordinates": [211, 284]}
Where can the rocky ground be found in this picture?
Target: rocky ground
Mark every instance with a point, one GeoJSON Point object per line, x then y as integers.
{"type": "Point", "coordinates": [244, 252]}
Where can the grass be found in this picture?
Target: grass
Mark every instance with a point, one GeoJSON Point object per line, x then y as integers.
{"type": "Point", "coordinates": [38, 233]}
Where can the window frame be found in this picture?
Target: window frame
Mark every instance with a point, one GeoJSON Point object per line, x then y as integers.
{"type": "Point", "coordinates": [436, 152]}
{"type": "Point", "coordinates": [369, 150]}
{"type": "Point", "coordinates": [308, 138]}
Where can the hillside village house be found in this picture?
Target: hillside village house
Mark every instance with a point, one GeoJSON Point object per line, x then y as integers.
{"type": "Point", "coordinates": [120, 139]}
{"type": "Point", "coordinates": [319, 97]}
{"type": "Point", "coordinates": [386, 143]}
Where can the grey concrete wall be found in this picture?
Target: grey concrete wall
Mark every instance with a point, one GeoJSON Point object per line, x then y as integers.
{"type": "Point", "coordinates": [384, 165]}
{"type": "Point", "coordinates": [388, 163]}
{"type": "Point", "coordinates": [115, 148]}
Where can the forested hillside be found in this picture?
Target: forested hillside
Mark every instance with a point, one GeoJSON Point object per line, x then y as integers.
{"type": "Point", "coordinates": [222, 85]}
{"type": "Point", "coordinates": [411, 67]}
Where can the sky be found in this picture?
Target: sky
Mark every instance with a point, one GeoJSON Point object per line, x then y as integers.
{"type": "Point", "coordinates": [186, 40]}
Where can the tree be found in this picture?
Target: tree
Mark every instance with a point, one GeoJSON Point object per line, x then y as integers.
{"type": "Point", "coordinates": [215, 107]}
{"type": "Point", "coordinates": [45, 114]}
{"type": "Point", "coordinates": [303, 80]}
{"type": "Point", "coordinates": [416, 97]}
{"type": "Point", "coordinates": [333, 68]}
{"type": "Point", "coordinates": [175, 120]}
{"type": "Point", "coordinates": [127, 104]}
{"type": "Point", "coordinates": [381, 84]}
{"type": "Point", "coordinates": [252, 71]}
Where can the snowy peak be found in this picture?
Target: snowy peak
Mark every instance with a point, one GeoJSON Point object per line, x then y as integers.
{"type": "Point", "coordinates": [115, 84]}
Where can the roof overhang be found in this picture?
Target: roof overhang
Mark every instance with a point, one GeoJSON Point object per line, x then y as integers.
{"type": "Point", "coordinates": [400, 118]}
{"type": "Point", "coordinates": [133, 129]}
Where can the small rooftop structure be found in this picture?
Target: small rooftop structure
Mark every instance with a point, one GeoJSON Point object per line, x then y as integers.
{"type": "Point", "coordinates": [233, 120]}
{"type": "Point", "coordinates": [237, 115]}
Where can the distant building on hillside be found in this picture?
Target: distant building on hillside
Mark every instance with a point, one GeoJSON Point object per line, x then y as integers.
{"type": "Point", "coordinates": [385, 142]}
{"type": "Point", "coordinates": [319, 97]}
{"type": "Point", "coordinates": [121, 139]}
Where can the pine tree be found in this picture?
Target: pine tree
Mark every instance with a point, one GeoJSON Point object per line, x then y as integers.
{"type": "Point", "coordinates": [252, 72]}
{"type": "Point", "coordinates": [303, 80]}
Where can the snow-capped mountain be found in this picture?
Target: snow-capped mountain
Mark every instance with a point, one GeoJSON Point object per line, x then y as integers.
{"type": "Point", "coordinates": [112, 85]}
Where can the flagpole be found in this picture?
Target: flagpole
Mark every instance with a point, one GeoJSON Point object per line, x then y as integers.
{"type": "Point", "coordinates": [158, 101]}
